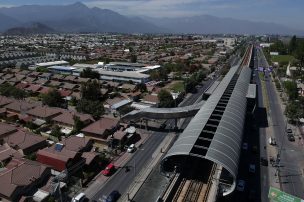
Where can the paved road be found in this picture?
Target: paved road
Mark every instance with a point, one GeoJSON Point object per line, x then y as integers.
{"type": "Point", "coordinates": [292, 155]}
{"type": "Point", "coordinates": [122, 179]}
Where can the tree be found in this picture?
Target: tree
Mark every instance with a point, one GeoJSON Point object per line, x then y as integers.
{"type": "Point", "coordinates": [133, 58]}
{"type": "Point", "coordinates": [141, 87]}
{"type": "Point", "coordinates": [56, 131]}
{"type": "Point", "coordinates": [165, 99]}
{"type": "Point", "coordinates": [53, 98]}
{"type": "Point", "coordinates": [293, 44]}
{"type": "Point", "coordinates": [291, 88]}
{"type": "Point", "coordinates": [90, 90]}
{"type": "Point", "coordinates": [294, 110]}
{"type": "Point", "coordinates": [11, 91]}
{"type": "Point", "coordinates": [78, 124]}
{"type": "Point", "coordinates": [299, 53]}
{"type": "Point", "coordinates": [95, 108]}
{"type": "Point", "coordinates": [89, 73]}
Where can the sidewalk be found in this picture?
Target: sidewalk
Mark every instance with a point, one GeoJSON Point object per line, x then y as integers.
{"type": "Point", "coordinates": [119, 161]}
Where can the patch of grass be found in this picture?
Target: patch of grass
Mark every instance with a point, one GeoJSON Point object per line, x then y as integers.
{"type": "Point", "coordinates": [282, 58]}
{"type": "Point", "coordinates": [177, 87]}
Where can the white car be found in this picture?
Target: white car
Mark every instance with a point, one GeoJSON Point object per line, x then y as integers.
{"type": "Point", "coordinates": [131, 148]}
{"type": "Point", "coordinates": [241, 185]}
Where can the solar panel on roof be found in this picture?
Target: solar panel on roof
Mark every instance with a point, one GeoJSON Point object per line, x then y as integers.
{"type": "Point", "coordinates": [58, 147]}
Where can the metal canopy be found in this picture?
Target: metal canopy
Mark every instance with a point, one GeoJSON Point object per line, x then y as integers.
{"type": "Point", "coordinates": [215, 133]}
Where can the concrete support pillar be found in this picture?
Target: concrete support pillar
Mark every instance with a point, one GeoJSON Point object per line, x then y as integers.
{"type": "Point", "coordinates": [146, 124]}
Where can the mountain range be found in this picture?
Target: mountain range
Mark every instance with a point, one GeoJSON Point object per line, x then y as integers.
{"type": "Point", "coordinates": [79, 18]}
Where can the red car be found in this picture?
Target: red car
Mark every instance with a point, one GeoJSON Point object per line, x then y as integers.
{"type": "Point", "coordinates": [108, 170]}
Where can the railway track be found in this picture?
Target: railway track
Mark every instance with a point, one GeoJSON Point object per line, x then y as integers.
{"type": "Point", "coordinates": [193, 190]}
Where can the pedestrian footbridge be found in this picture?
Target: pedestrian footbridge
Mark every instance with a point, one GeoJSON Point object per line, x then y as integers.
{"type": "Point", "coordinates": [163, 113]}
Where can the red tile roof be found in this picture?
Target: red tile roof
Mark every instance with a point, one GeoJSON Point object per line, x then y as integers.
{"type": "Point", "coordinates": [44, 112]}
{"type": "Point", "coordinates": [33, 88]}
{"type": "Point", "coordinates": [58, 159]}
{"type": "Point", "coordinates": [20, 173]}
{"type": "Point", "coordinates": [23, 139]}
{"type": "Point", "coordinates": [67, 117]}
{"type": "Point", "coordinates": [20, 105]}
{"type": "Point", "coordinates": [101, 125]}
{"type": "Point", "coordinates": [7, 152]}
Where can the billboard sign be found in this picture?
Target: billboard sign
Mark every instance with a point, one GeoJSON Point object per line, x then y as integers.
{"type": "Point", "coordinates": [277, 195]}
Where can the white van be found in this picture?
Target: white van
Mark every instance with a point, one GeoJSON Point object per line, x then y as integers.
{"type": "Point", "coordinates": [79, 198]}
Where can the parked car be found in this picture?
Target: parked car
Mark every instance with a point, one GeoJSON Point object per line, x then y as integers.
{"type": "Point", "coordinates": [79, 198]}
{"type": "Point", "coordinates": [264, 161]}
{"type": "Point", "coordinates": [272, 141]}
{"type": "Point", "coordinates": [291, 137]}
{"type": "Point", "coordinates": [131, 148]}
{"type": "Point", "coordinates": [108, 170]}
{"type": "Point", "coordinates": [289, 130]}
{"type": "Point", "coordinates": [252, 168]}
{"type": "Point", "coordinates": [245, 146]}
{"type": "Point", "coordinates": [240, 185]}
{"type": "Point", "coordinates": [113, 196]}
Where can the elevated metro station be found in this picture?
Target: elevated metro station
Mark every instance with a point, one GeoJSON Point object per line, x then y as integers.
{"type": "Point", "coordinates": [215, 133]}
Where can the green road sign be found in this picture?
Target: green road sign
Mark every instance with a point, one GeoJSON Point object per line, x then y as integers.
{"type": "Point", "coordinates": [277, 195]}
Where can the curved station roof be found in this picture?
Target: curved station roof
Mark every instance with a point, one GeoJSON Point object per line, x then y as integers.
{"type": "Point", "coordinates": [215, 133]}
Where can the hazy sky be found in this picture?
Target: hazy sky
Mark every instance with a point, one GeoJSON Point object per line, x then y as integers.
{"type": "Point", "coordinates": [287, 12]}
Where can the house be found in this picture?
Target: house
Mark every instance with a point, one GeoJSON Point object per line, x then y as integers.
{"type": "Point", "coordinates": [5, 130]}
{"type": "Point", "coordinates": [65, 154]}
{"type": "Point", "coordinates": [150, 99]}
{"type": "Point", "coordinates": [54, 83]}
{"type": "Point", "coordinates": [29, 79]}
{"type": "Point", "coordinates": [22, 85]}
{"type": "Point", "coordinates": [22, 177]}
{"type": "Point", "coordinates": [19, 107]}
{"type": "Point", "coordinates": [58, 77]}
{"type": "Point", "coordinates": [34, 74]}
{"type": "Point", "coordinates": [7, 153]}
{"type": "Point", "coordinates": [70, 86]}
{"type": "Point", "coordinates": [25, 142]}
{"type": "Point", "coordinates": [45, 75]}
{"type": "Point", "coordinates": [70, 78]}
{"type": "Point", "coordinates": [82, 80]}
{"type": "Point", "coordinates": [44, 112]}
{"type": "Point", "coordinates": [65, 93]}
{"type": "Point", "coordinates": [112, 105]}
{"type": "Point", "coordinates": [101, 129]}
{"type": "Point", "coordinates": [34, 88]}
{"type": "Point", "coordinates": [5, 101]}
{"type": "Point", "coordinates": [66, 119]}
{"type": "Point", "coordinates": [128, 87]}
